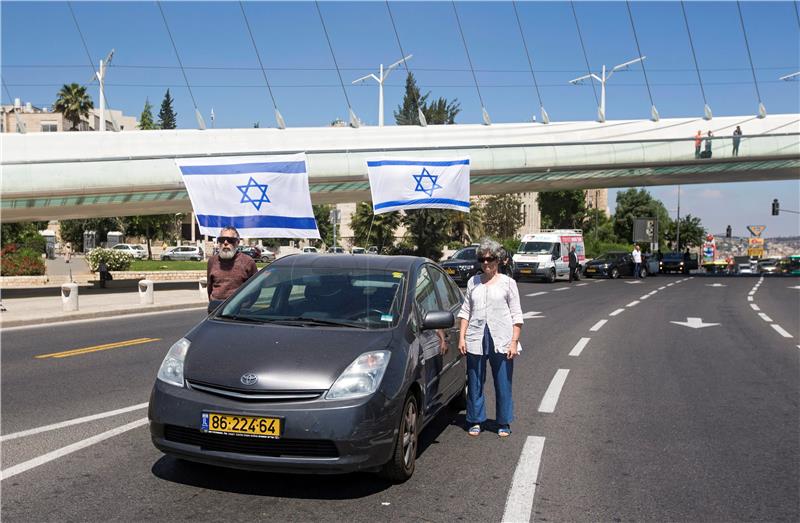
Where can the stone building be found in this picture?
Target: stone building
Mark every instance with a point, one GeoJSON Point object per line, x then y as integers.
{"type": "Point", "coordinates": [44, 120]}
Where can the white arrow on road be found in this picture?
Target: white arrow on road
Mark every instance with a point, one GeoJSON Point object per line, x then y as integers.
{"type": "Point", "coordinates": [532, 315]}
{"type": "Point", "coordinates": [695, 323]}
{"type": "Point", "coordinates": [715, 285]}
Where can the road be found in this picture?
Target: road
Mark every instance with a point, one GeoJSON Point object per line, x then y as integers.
{"type": "Point", "coordinates": [622, 414]}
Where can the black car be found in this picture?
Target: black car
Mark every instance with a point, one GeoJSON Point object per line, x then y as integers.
{"type": "Point", "coordinates": [319, 363]}
{"type": "Point", "coordinates": [463, 265]}
{"type": "Point", "coordinates": [673, 262]}
{"type": "Point", "coordinates": [614, 265]}
{"type": "Point", "coordinates": [256, 253]}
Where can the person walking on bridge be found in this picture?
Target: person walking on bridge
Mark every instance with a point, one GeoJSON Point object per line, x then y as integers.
{"type": "Point", "coordinates": [737, 136]}
{"type": "Point", "coordinates": [698, 142]}
{"type": "Point", "coordinates": [708, 145]}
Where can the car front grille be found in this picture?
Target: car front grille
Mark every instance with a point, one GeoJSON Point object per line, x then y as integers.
{"type": "Point", "coordinates": [285, 447]}
{"type": "Point", "coordinates": [260, 396]}
{"type": "Point", "coordinates": [527, 265]}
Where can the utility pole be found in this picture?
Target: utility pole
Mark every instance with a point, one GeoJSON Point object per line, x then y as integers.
{"type": "Point", "coordinates": [101, 75]}
{"type": "Point", "coordinates": [383, 74]}
{"type": "Point", "coordinates": [678, 224]}
{"type": "Point", "coordinates": [603, 78]}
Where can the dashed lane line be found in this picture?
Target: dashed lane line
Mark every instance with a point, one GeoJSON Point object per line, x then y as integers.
{"type": "Point", "coordinates": [69, 449]}
{"type": "Point", "coordinates": [749, 298]}
{"type": "Point", "coordinates": [781, 330]}
{"type": "Point", "coordinates": [618, 311]}
{"type": "Point", "coordinates": [519, 503]}
{"type": "Point", "coordinates": [561, 289]}
{"type": "Point", "coordinates": [755, 307]}
{"type": "Point", "coordinates": [651, 293]}
{"type": "Point", "coordinates": [69, 423]}
{"type": "Point", "coordinates": [581, 284]}
{"type": "Point", "coordinates": [644, 297]}
{"type": "Point", "coordinates": [634, 303]}
{"type": "Point", "coordinates": [578, 348]}
{"type": "Point", "coordinates": [662, 287]}
{"type": "Point", "coordinates": [670, 284]}
{"type": "Point", "coordinates": [536, 294]}
{"type": "Point", "coordinates": [596, 327]}
{"type": "Point", "coordinates": [550, 398]}
{"type": "Point", "coordinates": [765, 317]}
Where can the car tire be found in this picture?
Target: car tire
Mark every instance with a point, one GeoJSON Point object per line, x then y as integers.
{"type": "Point", "coordinates": [614, 274]}
{"type": "Point", "coordinates": [197, 258]}
{"type": "Point", "coordinates": [643, 272]}
{"type": "Point", "coordinates": [166, 258]}
{"type": "Point", "coordinates": [404, 457]}
{"type": "Point", "coordinates": [551, 276]}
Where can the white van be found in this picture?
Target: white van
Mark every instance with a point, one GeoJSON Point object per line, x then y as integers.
{"type": "Point", "coordinates": [545, 254]}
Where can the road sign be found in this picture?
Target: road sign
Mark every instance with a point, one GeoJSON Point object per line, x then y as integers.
{"type": "Point", "coordinates": [756, 230]}
{"type": "Point", "coordinates": [694, 323]}
{"type": "Point", "coordinates": [755, 247]}
{"type": "Point", "coordinates": [645, 230]}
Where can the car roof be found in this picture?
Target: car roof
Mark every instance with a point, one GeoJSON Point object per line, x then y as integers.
{"type": "Point", "coordinates": [389, 263]}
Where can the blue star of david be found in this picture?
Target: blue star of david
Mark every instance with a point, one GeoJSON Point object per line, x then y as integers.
{"type": "Point", "coordinates": [252, 184]}
{"type": "Point", "coordinates": [433, 185]}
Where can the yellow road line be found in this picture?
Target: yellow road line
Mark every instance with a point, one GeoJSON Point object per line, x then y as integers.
{"type": "Point", "coordinates": [96, 348]}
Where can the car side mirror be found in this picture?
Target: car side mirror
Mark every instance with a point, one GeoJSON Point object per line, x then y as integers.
{"type": "Point", "coordinates": [214, 305]}
{"type": "Point", "coordinates": [555, 257]}
{"type": "Point", "coordinates": [438, 320]}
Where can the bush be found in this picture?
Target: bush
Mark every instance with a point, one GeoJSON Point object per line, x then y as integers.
{"type": "Point", "coordinates": [595, 249]}
{"type": "Point", "coordinates": [116, 260]}
{"type": "Point", "coordinates": [511, 245]}
{"type": "Point", "coordinates": [21, 262]}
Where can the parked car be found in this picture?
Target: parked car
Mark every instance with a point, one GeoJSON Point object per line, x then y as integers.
{"type": "Point", "coordinates": [463, 264]}
{"type": "Point", "coordinates": [137, 251]}
{"type": "Point", "coordinates": [354, 368]}
{"type": "Point", "coordinates": [768, 266]}
{"type": "Point", "coordinates": [358, 250]}
{"type": "Point", "coordinates": [373, 249]}
{"type": "Point", "coordinates": [183, 252]}
{"type": "Point", "coordinates": [336, 250]}
{"type": "Point", "coordinates": [615, 264]}
{"type": "Point", "coordinates": [310, 249]}
{"type": "Point", "coordinates": [257, 253]}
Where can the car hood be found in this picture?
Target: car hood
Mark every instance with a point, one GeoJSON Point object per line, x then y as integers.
{"type": "Point", "coordinates": [599, 263]}
{"type": "Point", "coordinates": [284, 358]}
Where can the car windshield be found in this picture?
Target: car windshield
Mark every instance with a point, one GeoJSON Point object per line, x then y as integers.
{"type": "Point", "coordinates": [358, 298]}
{"type": "Point", "coordinates": [465, 254]}
{"type": "Point", "coordinates": [138, 247]}
{"type": "Point", "coordinates": [535, 248]}
{"type": "Point", "coordinates": [673, 256]}
{"type": "Point", "coordinates": [607, 257]}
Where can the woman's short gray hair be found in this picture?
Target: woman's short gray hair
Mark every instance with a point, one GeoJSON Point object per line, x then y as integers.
{"type": "Point", "coordinates": [491, 247]}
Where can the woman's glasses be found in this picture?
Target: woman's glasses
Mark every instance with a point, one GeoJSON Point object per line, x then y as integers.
{"type": "Point", "coordinates": [487, 259]}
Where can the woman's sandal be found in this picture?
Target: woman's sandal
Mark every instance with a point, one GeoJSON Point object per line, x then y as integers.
{"type": "Point", "coordinates": [504, 432]}
{"type": "Point", "coordinates": [474, 430]}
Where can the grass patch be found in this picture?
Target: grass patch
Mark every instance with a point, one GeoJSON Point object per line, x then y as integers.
{"type": "Point", "coordinates": [172, 265]}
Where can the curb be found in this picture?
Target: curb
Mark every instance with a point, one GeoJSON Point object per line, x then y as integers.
{"type": "Point", "coordinates": [100, 314]}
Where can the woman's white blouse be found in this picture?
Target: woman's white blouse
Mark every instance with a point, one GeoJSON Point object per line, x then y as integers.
{"type": "Point", "coordinates": [496, 304]}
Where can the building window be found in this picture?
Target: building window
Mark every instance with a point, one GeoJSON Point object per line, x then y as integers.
{"type": "Point", "coordinates": [49, 127]}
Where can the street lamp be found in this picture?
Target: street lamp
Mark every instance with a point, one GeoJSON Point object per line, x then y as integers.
{"type": "Point", "coordinates": [793, 76]}
{"type": "Point", "coordinates": [382, 75]}
{"type": "Point", "coordinates": [100, 76]}
{"type": "Point", "coordinates": [603, 78]}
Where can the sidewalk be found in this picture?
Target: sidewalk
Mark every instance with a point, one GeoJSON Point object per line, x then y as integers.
{"type": "Point", "coordinates": [44, 305]}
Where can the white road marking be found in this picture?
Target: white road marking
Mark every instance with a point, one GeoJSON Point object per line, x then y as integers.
{"type": "Point", "coordinates": [755, 307]}
{"type": "Point", "coordinates": [596, 326]}
{"type": "Point", "coordinates": [633, 303]}
{"type": "Point", "coordinates": [795, 287]}
{"type": "Point", "coordinates": [561, 289]}
{"type": "Point", "coordinates": [618, 311]}
{"type": "Point", "coordinates": [670, 284]}
{"type": "Point", "coordinates": [536, 293]}
{"type": "Point", "coordinates": [578, 348]}
{"type": "Point", "coordinates": [633, 282]}
{"type": "Point", "coordinates": [781, 330]}
{"type": "Point", "coordinates": [644, 297]}
{"type": "Point", "coordinates": [519, 503]}
{"type": "Point", "coordinates": [69, 449]}
{"type": "Point", "coordinates": [651, 293]}
{"type": "Point", "coordinates": [71, 422]}
{"type": "Point", "coordinates": [694, 323]}
{"type": "Point", "coordinates": [532, 315]}
{"type": "Point", "coordinates": [765, 317]}
{"type": "Point", "coordinates": [751, 293]}
{"type": "Point", "coordinates": [662, 287]}
{"type": "Point", "coordinates": [749, 298]}
{"type": "Point", "coordinates": [550, 398]}
{"type": "Point", "coordinates": [581, 284]}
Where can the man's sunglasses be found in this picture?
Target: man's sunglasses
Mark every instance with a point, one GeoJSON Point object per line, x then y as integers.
{"type": "Point", "coordinates": [488, 259]}
{"type": "Point", "coordinates": [223, 239]}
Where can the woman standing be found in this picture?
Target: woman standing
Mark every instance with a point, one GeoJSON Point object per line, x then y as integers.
{"type": "Point", "coordinates": [490, 326]}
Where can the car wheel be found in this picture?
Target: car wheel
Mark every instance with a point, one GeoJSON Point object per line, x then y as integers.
{"type": "Point", "coordinates": [551, 276]}
{"type": "Point", "coordinates": [166, 258]}
{"type": "Point", "coordinates": [404, 458]}
{"type": "Point", "coordinates": [643, 273]}
{"type": "Point", "coordinates": [197, 258]}
{"type": "Point", "coordinates": [614, 274]}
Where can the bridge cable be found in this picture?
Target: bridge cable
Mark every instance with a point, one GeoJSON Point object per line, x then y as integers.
{"type": "Point", "coordinates": [797, 13]}
{"type": "Point", "coordinates": [486, 119]}
{"type": "Point", "coordinates": [653, 111]}
{"type": "Point", "coordinates": [354, 121]}
{"type": "Point", "coordinates": [422, 120]}
{"type": "Point", "coordinates": [706, 108]}
{"type": "Point", "coordinates": [200, 122]}
{"type": "Point", "coordinates": [278, 116]}
{"type": "Point", "coordinates": [585, 56]}
{"type": "Point", "coordinates": [544, 115]}
{"type": "Point", "coordinates": [762, 111]}
{"type": "Point", "coordinates": [114, 124]}
{"type": "Point", "coordinates": [21, 127]}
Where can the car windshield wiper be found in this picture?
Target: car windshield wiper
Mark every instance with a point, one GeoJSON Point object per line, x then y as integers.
{"type": "Point", "coordinates": [244, 319]}
{"type": "Point", "coordinates": [316, 321]}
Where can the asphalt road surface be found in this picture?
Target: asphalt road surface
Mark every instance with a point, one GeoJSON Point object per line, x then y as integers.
{"type": "Point", "coordinates": [668, 399]}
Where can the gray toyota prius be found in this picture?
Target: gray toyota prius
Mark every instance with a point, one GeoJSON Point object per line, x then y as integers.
{"type": "Point", "coordinates": [318, 363]}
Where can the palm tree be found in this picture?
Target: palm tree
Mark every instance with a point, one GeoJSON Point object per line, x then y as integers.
{"type": "Point", "coordinates": [380, 227]}
{"type": "Point", "coordinates": [74, 103]}
{"type": "Point", "coordinates": [467, 227]}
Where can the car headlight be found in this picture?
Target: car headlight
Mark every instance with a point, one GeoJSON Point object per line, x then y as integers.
{"type": "Point", "coordinates": [362, 377]}
{"type": "Point", "coordinates": [681, 263]}
{"type": "Point", "coordinates": [171, 370]}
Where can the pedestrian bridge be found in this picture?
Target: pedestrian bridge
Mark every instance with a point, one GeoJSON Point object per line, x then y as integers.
{"type": "Point", "coordinates": [92, 174]}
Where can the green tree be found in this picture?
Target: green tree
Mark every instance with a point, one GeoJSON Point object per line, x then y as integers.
{"type": "Point", "coordinates": [467, 227]}
{"type": "Point", "coordinates": [21, 232]}
{"type": "Point", "coordinates": [72, 230]}
{"type": "Point", "coordinates": [427, 230]}
{"type": "Point", "coordinates": [562, 209]}
{"type": "Point", "coordinates": [598, 226]}
{"type": "Point", "coordinates": [167, 117]}
{"type": "Point", "coordinates": [322, 215]}
{"type": "Point", "coordinates": [439, 112]}
{"type": "Point", "coordinates": [152, 227]}
{"type": "Point", "coordinates": [692, 232]}
{"type": "Point", "coordinates": [74, 103]}
{"type": "Point", "coordinates": [380, 227]}
{"type": "Point", "coordinates": [502, 215]}
{"type": "Point", "coordinates": [638, 203]}
{"type": "Point", "coordinates": [146, 121]}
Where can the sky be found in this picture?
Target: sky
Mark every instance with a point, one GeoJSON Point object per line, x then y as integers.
{"type": "Point", "coordinates": [42, 49]}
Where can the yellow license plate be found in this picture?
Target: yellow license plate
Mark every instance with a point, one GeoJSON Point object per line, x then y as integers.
{"type": "Point", "coordinates": [451, 271]}
{"type": "Point", "coordinates": [525, 271]}
{"type": "Point", "coordinates": [590, 270]}
{"type": "Point", "coordinates": [244, 425]}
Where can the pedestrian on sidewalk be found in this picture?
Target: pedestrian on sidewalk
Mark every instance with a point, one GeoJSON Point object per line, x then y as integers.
{"type": "Point", "coordinates": [737, 136]}
{"type": "Point", "coordinates": [698, 141]}
{"type": "Point", "coordinates": [637, 260]}
{"type": "Point", "coordinates": [67, 252]}
{"type": "Point", "coordinates": [103, 273]}
{"type": "Point", "coordinates": [228, 269]}
{"type": "Point", "coordinates": [490, 323]}
{"type": "Point", "coordinates": [573, 264]}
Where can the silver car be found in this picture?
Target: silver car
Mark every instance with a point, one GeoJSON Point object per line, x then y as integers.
{"type": "Point", "coordinates": [183, 252]}
{"type": "Point", "coordinates": [137, 251]}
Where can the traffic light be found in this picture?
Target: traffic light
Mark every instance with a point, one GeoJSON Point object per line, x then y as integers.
{"type": "Point", "coordinates": [728, 232]}
{"type": "Point", "coordinates": [776, 207]}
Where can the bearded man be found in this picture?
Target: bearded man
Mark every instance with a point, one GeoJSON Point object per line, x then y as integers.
{"type": "Point", "coordinates": [228, 269]}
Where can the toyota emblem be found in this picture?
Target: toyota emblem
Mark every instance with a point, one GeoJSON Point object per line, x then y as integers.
{"type": "Point", "coordinates": [249, 379]}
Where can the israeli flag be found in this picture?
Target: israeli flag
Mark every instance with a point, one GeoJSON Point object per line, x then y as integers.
{"type": "Point", "coordinates": [404, 183]}
{"type": "Point", "coordinates": [262, 196]}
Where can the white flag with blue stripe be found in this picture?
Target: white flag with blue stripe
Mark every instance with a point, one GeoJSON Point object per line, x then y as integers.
{"type": "Point", "coordinates": [262, 196]}
{"type": "Point", "coordinates": [406, 183]}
